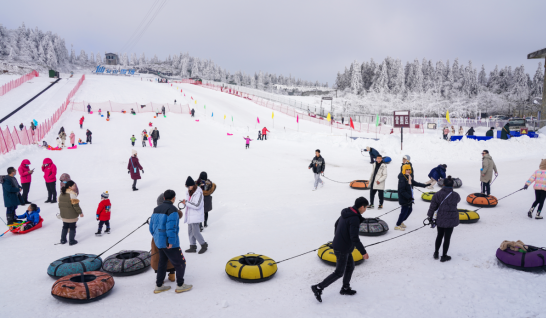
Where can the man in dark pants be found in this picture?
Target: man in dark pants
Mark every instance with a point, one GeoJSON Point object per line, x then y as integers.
{"type": "Point", "coordinates": [163, 108]}
{"type": "Point", "coordinates": [155, 136]}
{"type": "Point", "coordinates": [346, 239]}
{"type": "Point", "coordinates": [88, 134]}
{"type": "Point", "coordinates": [164, 227]}
{"type": "Point", "coordinates": [11, 189]}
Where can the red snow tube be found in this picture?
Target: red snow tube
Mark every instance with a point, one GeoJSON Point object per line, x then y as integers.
{"type": "Point", "coordinates": [17, 230]}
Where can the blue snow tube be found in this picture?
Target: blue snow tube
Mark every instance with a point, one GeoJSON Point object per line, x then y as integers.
{"type": "Point", "coordinates": [35, 122]}
{"type": "Point", "coordinates": [387, 159]}
{"type": "Point", "coordinates": [73, 264]}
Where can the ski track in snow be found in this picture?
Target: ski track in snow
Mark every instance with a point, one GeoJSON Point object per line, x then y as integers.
{"type": "Point", "coordinates": [264, 204]}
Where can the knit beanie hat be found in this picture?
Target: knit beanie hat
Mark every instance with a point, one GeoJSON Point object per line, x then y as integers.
{"type": "Point", "coordinates": [105, 195]}
{"type": "Point", "coordinates": [406, 167]}
{"type": "Point", "coordinates": [203, 175]}
{"type": "Point", "coordinates": [190, 182]}
{"type": "Point", "coordinates": [407, 157]}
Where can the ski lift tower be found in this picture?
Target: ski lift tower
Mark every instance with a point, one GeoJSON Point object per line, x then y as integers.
{"type": "Point", "coordinates": [541, 54]}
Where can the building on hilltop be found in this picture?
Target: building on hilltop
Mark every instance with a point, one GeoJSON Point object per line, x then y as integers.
{"type": "Point", "coordinates": [111, 59]}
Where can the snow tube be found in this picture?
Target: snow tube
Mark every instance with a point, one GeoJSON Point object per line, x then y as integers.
{"type": "Point", "coordinates": [387, 160]}
{"type": "Point", "coordinates": [251, 268]}
{"type": "Point", "coordinates": [326, 254]}
{"type": "Point", "coordinates": [468, 216]}
{"type": "Point", "coordinates": [83, 288]}
{"type": "Point", "coordinates": [75, 146]}
{"type": "Point", "coordinates": [481, 200]}
{"type": "Point", "coordinates": [197, 120]}
{"type": "Point", "coordinates": [74, 264]}
{"type": "Point", "coordinates": [427, 196]}
{"type": "Point", "coordinates": [101, 115]}
{"type": "Point", "coordinates": [229, 134]}
{"type": "Point", "coordinates": [107, 119]}
{"type": "Point", "coordinates": [51, 148]}
{"type": "Point", "coordinates": [360, 184]}
{"type": "Point", "coordinates": [457, 183]}
{"type": "Point", "coordinates": [373, 227]}
{"type": "Point", "coordinates": [82, 143]}
{"type": "Point", "coordinates": [91, 112]}
{"type": "Point", "coordinates": [532, 260]}
{"type": "Point", "coordinates": [17, 230]}
{"type": "Point", "coordinates": [126, 263]}
{"type": "Point", "coordinates": [390, 195]}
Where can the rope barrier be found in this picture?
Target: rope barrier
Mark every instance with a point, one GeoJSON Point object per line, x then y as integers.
{"type": "Point", "coordinates": [502, 198]}
{"type": "Point", "coordinates": [123, 238]}
{"type": "Point", "coordinates": [388, 212]}
{"type": "Point", "coordinates": [334, 180]}
{"type": "Point", "coordinates": [294, 256]}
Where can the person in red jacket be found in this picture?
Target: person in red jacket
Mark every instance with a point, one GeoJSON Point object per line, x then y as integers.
{"type": "Point", "coordinates": [103, 213]}
{"type": "Point", "coordinates": [81, 122]}
{"type": "Point", "coordinates": [264, 133]}
{"type": "Point", "coordinates": [50, 176]}
{"type": "Point", "coordinates": [26, 178]}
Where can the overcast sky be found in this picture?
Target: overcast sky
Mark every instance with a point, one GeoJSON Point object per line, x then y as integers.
{"type": "Point", "coordinates": [312, 40]}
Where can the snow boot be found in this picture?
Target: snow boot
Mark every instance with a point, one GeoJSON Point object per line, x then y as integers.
{"type": "Point", "coordinates": [73, 242]}
{"type": "Point", "coordinates": [172, 277]}
{"type": "Point", "coordinates": [530, 213]}
{"type": "Point", "coordinates": [370, 207]}
{"type": "Point", "coordinates": [347, 291]}
{"type": "Point", "coordinates": [72, 237]}
{"type": "Point", "coordinates": [163, 288]}
{"type": "Point", "coordinates": [63, 235]}
{"type": "Point", "coordinates": [107, 231]}
{"type": "Point", "coordinates": [99, 233]}
{"type": "Point", "coordinates": [135, 189]}
{"type": "Point", "coordinates": [192, 249]}
{"type": "Point", "coordinates": [445, 258]}
{"type": "Point", "coordinates": [183, 288]}
{"type": "Point", "coordinates": [317, 291]}
{"type": "Point", "coordinates": [203, 249]}
{"type": "Point", "coordinates": [538, 216]}
{"type": "Point", "coordinates": [436, 255]}
{"type": "Point", "coordinates": [380, 207]}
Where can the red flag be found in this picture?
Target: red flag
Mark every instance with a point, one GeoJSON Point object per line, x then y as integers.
{"type": "Point", "coordinates": [297, 118]}
{"type": "Point", "coordinates": [258, 118]}
{"type": "Point", "coordinates": [191, 97]}
{"type": "Point", "coordinates": [352, 125]}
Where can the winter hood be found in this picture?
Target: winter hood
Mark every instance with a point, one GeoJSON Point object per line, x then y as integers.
{"type": "Point", "coordinates": [48, 161]}
{"type": "Point", "coordinates": [25, 162]}
{"type": "Point", "coordinates": [349, 213]}
{"type": "Point", "coordinates": [3, 178]}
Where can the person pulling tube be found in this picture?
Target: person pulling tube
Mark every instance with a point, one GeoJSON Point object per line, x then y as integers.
{"type": "Point", "coordinates": [346, 239]}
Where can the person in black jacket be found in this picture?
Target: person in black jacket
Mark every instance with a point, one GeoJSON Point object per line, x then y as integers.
{"type": "Point", "coordinates": [346, 239]}
{"type": "Point", "coordinates": [318, 164]}
{"type": "Point", "coordinates": [470, 132]}
{"type": "Point", "coordinates": [155, 136]}
{"type": "Point", "coordinates": [21, 126]}
{"type": "Point", "coordinates": [88, 134]}
{"type": "Point", "coordinates": [192, 112]}
{"type": "Point", "coordinates": [405, 195]}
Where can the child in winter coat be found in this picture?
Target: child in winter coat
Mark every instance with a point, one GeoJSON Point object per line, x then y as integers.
{"type": "Point", "coordinates": [100, 111]}
{"type": "Point", "coordinates": [81, 122]}
{"type": "Point", "coordinates": [539, 178]}
{"type": "Point", "coordinates": [144, 138]}
{"type": "Point", "coordinates": [108, 114]}
{"type": "Point", "coordinates": [259, 135]}
{"type": "Point", "coordinates": [103, 213]}
{"type": "Point", "coordinates": [32, 215]}
{"type": "Point", "coordinates": [72, 138]}
{"type": "Point", "coordinates": [62, 135]}
{"type": "Point", "coordinates": [133, 139]}
{"type": "Point", "coordinates": [248, 140]}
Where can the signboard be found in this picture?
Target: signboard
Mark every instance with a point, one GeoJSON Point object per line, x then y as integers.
{"type": "Point", "coordinates": [327, 98]}
{"type": "Point", "coordinates": [523, 131]}
{"type": "Point", "coordinates": [431, 126]}
{"type": "Point", "coordinates": [401, 119]}
{"type": "Point", "coordinates": [103, 70]}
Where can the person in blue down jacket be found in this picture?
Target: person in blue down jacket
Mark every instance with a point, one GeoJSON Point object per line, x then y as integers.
{"type": "Point", "coordinates": [435, 175]}
{"type": "Point", "coordinates": [32, 215]}
{"type": "Point", "coordinates": [164, 227]}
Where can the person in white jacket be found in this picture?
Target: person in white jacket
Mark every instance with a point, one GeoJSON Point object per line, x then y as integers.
{"type": "Point", "coordinates": [195, 214]}
{"type": "Point", "coordinates": [377, 181]}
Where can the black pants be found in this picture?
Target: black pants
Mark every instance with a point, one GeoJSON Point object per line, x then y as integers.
{"type": "Point", "coordinates": [101, 223]}
{"type": "Point", "coordinates": [89, 139]}
{"type": "Point", "coordinates": [10, 214]}
{"type": "Point", "coordinates": [26, 188]}
{"type": "Point", "coordinates": [155, 143]}
{"type": "Point", "coordinates": [443, 233]}
{"type": "Point", "coordinates": [134, 183]}
{"type": "Point", "coordinates": [486, 187]}
{"type": "Point", "coordinates": [206, 219]}
{"type": "Point", "coordinates": [66, 227]}
{"type": "Point", "coordinates": [540, 195]}
{"type": "Point", "coordinates": [51, 191]}
{"type": "Point", "coordinates": [345, 266]}
{"type": "Point", "coordinates": [372, 196]}
{"type": "Point", "coordinates": [259, 137]}
{"type": "Point", "coordinates": [264, 137]}
{"type": "Point", "coordinates": [247, 145]}
{"type": "Point", "coordinates": [179, 263]}
{"type": "Point", "coordinates": [163, 113]}
{"type": "Point", "coordinates": [132, 142]}
{"type": "Point", "coordinates": [144, 143]}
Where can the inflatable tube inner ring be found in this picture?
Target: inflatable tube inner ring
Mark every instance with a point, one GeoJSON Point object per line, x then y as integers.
{"type": "Point", "coordinates": [127, 255]}
{"type": "Point", "coordinates": [251, 260]}
{"type": "Point", "coordinates": [75, 259]}
{"type": "Point", "coordinates": [83, 278]}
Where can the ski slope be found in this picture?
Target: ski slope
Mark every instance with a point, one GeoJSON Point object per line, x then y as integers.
{"type": "Point", "coordinates": [264, 204]}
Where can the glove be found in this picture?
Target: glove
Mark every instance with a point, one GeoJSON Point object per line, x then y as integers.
{"type": "Point", "coordinates": [142, 171]}
{"type": "Point", "coordinates": [525, 187]}
{"type": "Point", "coordinates": [128, 171]}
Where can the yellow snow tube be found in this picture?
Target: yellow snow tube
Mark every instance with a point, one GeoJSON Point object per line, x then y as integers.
{"type": "Point", "coordinates": [427, 196]}
{"type": "Point", "coordinates": [468, 216]}
{"type": "Point", "coordinates": [326, 253]}
{"type": "Point", "coordinates": [251, 268]}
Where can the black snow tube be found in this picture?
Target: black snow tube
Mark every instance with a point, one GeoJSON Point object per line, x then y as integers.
{"type": "Point", "coordinates": [127, 263]}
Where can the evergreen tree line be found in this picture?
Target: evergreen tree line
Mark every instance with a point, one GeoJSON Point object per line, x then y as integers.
{"type": "Point", "coordinates": [48, 50]}
{"type": "Point", "coordinates": [428, 88]}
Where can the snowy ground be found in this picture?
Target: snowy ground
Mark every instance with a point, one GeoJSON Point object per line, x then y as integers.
{"type": "Point", "coordinates": [264, 204]}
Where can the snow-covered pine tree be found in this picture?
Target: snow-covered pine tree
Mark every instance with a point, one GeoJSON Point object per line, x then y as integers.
{"type": "Point", "coordinates": [398, 80]}
{"type": "Point", "coordinates": [381, 81]}
{"type": "Point", "coordinates": [455, 70]}
{"type": "Point", "coordinates": [356, 78]}
{"type": "Point", "coordinates": [72, 58]}
{"type": "Point", "coordinates": [519, 90]}
{"type": "Point", "coordinates": [51, 57]}
{"type": "Point", "coordinates": [260, 81]}
{"type": "Point", "coordinates": [195, 68]}
{"type": "Point", "coordinates": [537, 82]}
{"type": "Point", "coordinates": [142, 60]}
{"type": "Point", "coordinates": [482, 78]}
{"type": "Point", "coordinates": [417, 86]}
